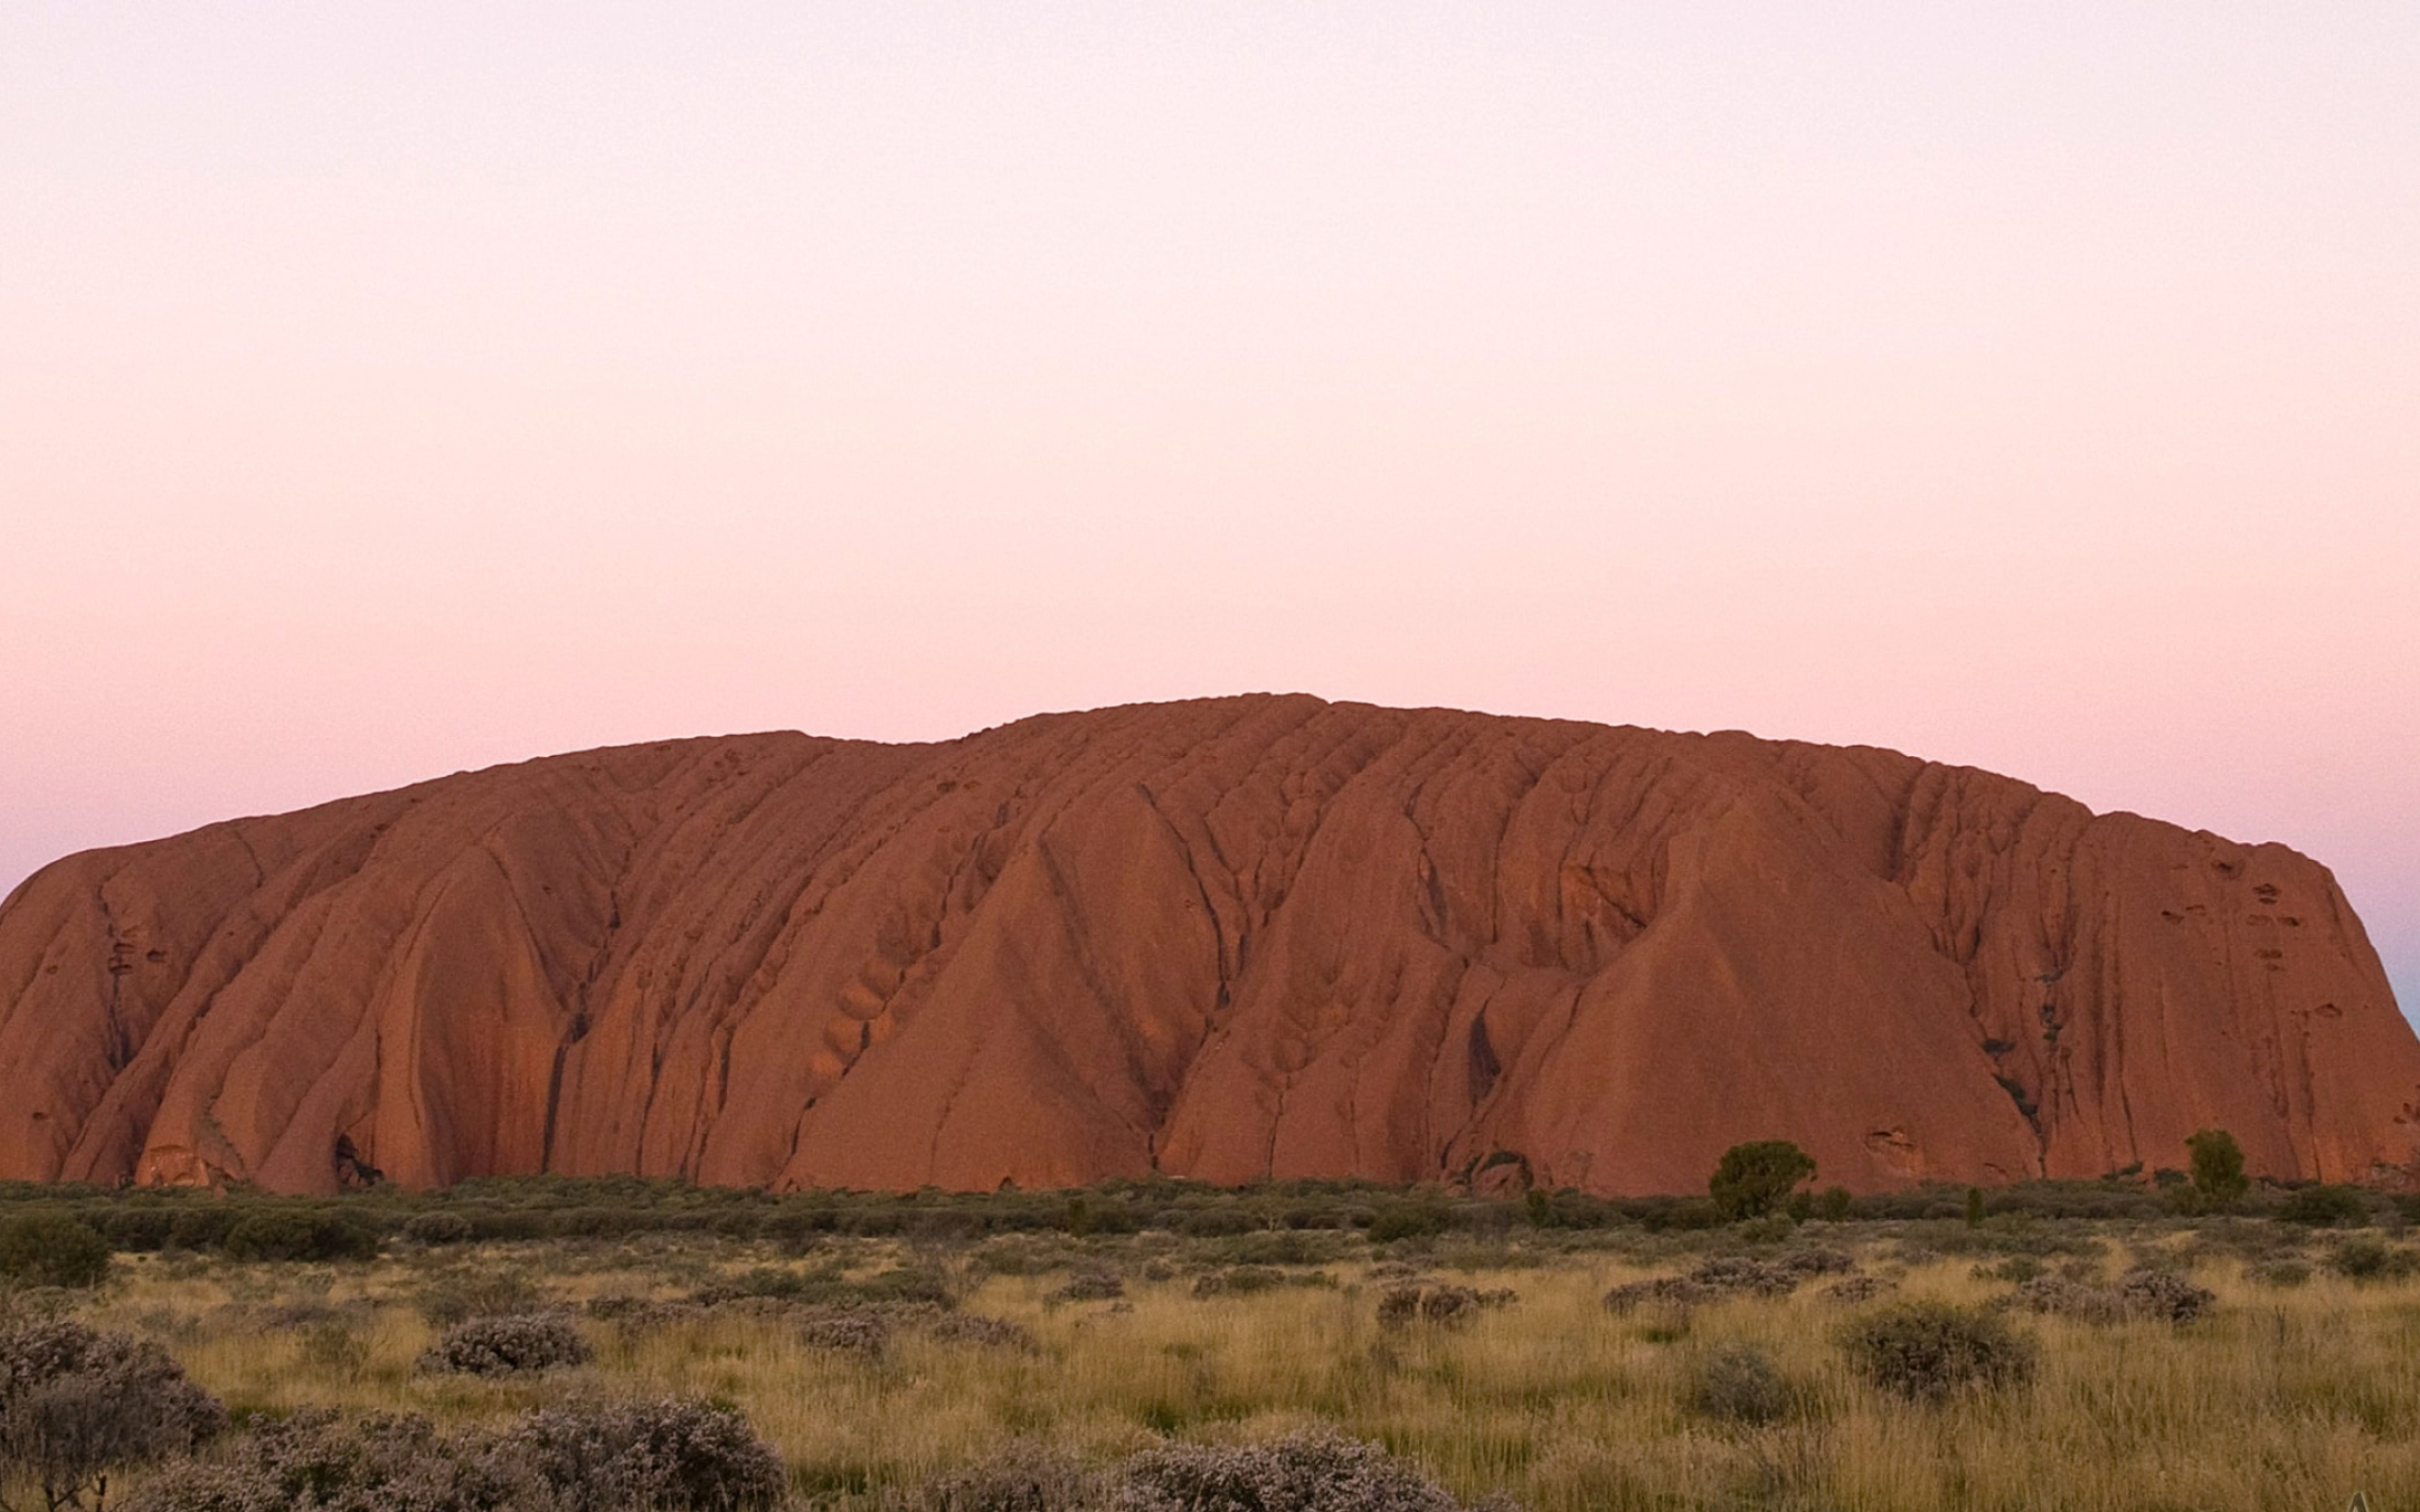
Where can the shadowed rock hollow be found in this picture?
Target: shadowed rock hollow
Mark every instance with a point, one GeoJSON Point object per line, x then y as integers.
{"type": "Point", "coordinates": [1225, 939]}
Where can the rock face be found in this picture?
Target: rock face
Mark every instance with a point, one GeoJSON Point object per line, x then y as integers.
{"type": "Point", "coordinates": [1224, 940]}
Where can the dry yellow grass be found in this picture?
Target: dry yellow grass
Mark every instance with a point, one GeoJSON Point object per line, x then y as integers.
{"type": "Point", "coordinates": [2280, 1400]}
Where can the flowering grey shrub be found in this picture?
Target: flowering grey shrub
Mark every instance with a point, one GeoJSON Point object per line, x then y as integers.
{"type": "Point", "coordinates": [2144, 1292]}
{"type": "Point", "coordinates": [1402, 1304]}
{"type": "Point", "coordinates": [501, 1346]}
{"type": "Point", "coordinates": [2056, 1296]}
{"type": "Point", "coordinates": [1023, 1477]}
{"type": "Point", "coordinates": [1719, 1276]}
{"type": "Point", "coordinates": [1929, 1351]}
{"type": "Point", "coordinates": [1815, 1260]}
{"type": "Point", "coordinates": [583, 1457]}
{"type": "Point", "coordinates": [1851, 1290]}
{"type": "Point", "coordinates": [1305, 1472]}
{"type": "Point", "coordinates": [77, 1403]}
{"type": "Point", "coordinates": [383, 1462]}
{"type": "Point", "coordinates": [1090, 1286]}
{"type": "Point", "coordinates": [973, 1327]}
{"type": "Point", "coordinates": [853, 1329]}
{"type": "Point", "coordinates": [667, 1455]}
{"type": "Point", "coordinates": [1734, 1274]}
{"type": "Point", "coordinates": [2148, 1291]}
{"type": "Point", "coordinates": [1678, 1292]}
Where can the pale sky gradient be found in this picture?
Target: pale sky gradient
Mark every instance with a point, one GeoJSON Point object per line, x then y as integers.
{"type": "Point", "coordinates": [385, 390]}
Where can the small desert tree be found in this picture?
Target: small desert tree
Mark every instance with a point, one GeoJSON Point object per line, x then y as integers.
{"type": "Point", "coordinates": [1754, 1178]}
{"type": "Point", "coordinates": [2219, 1181]}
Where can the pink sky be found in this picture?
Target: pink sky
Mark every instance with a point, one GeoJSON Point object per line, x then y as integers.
{"type": "Point", "coordinates": [389, 390]}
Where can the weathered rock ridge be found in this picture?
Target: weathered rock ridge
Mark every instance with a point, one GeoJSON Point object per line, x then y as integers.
{"type": "Point", "coordinates": [1225, 939]}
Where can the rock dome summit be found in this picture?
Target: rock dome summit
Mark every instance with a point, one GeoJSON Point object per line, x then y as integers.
{"type": "Point", "coordinates": [1224, 940]}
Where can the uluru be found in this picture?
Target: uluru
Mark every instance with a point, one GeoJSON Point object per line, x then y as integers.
{"type": "Point", "coordinates": [1226, 940]}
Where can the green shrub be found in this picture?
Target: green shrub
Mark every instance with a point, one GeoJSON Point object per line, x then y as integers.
{"type": "Point", "coordinates": [200, 1227]}
{"type": "Point", "coordinates": [1929, 1351]}
{"type": "Point", "coordinates": [438, 1227]}
{"type": "Point", "coordinates": [2280, 1275]}
{"type": "Point", "coordinates": [1736, 1383]}
{"type": "Point", "coordinates": [49, 1247]}
{"type": "Point", "coordinates": [901, 1285]}
{"type": "Point", "coordinates": [337, 1347]}
{"type": "Point", "coordinates": [1282, 1247]}
{"type": "Point", "coordinates": [2216, 1160]}
{"type": "Point", "coordinates": [131, 1224]}
{"type": "Point", "coordinates": [1018, 1255]}
{"type": "Point", "coordinates": [1410, 1219]}
{"type": "Point", "coordinates": [1770, 1230]}
{"type": "Point", "coordinates": [830, 1286]}
{"type": "Point", "coordinates": [1752, 1179]}
{"type": "Point", "coordinates": [797, 1229]}
{"type": "Point", "coordinates": [1238, 1280]}
{"type": "Point", "coordinates": [2325, 1206]}
{"type": "Point", "coordinates": [292, 1234]}
{"type": "Point", "coordinates": [1212, 1223]}
{"type": "Point", "coordinates": [2372, 1260]}
{"type": "Point", "coordinates": [478, 1292]}
{"type": "Point", "coordinates": [1832, 1204]}
{"type": "Point", "coordinates": [1324, 1215]}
